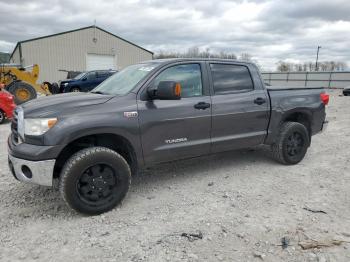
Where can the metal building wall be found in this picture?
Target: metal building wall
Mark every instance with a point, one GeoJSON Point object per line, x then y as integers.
{"type": "Point", "coordinates": [15, 57]}
{"type": "Point", "coordinates": [68, 51]}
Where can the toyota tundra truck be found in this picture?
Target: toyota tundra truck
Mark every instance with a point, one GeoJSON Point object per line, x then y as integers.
{"type": "Point", "coordinates": [153, 112]}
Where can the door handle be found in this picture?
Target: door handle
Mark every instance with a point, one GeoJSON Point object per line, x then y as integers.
{"type": "Point", "coordinates": [202, 105]}
{"type": "Point", "coordinates": [259, 101]}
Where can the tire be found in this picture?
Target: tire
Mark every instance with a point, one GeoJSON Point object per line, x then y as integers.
{"type": "Point", "coordinates": [2, 116]}
{"type": "Point", "coordinates": [94, 180]}
{"type": "Point", "coordinates": [22, 92]}
{"type": "Point", "coordinates": [292, 143]}
{"type": "Point", "coordinates": [55, 89]}
{"type": "Point", "coordinates": [75, 89]}
{"type": "Point", "coordinates": [8, 87]}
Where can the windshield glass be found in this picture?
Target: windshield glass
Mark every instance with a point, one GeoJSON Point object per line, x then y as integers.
{"type": "Point", "coordinates": [79, 76]}
{"type": "Point", "coordinates": [124, 81]}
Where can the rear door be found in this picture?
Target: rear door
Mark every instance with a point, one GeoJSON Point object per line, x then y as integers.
{"type": "Point", "coordinates": [175, 129]}
{"type": "Point", "coordinates": [101, 76]}
{"type": "Point", "coordinates": [240, 109]}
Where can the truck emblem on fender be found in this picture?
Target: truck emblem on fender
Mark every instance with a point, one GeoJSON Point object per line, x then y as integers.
{"type": "Point", "coordinates": [176, 140]}
{"type": "Point", "coordinates": [130, 114]}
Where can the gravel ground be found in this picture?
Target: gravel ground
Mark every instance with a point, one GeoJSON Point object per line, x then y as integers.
{"type": "Point", "coordinates": [238, 205]}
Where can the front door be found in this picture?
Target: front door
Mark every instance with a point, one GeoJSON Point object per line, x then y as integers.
{"type": "Point", "coordinates": [175, 129]}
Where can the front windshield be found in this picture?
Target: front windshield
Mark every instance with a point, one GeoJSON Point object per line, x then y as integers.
{"type": "Point", "coordinates": [79, 76]}
{"type": "Point", "coordinates": [124, 81]}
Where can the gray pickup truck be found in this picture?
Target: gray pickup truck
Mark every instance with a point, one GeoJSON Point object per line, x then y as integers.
{"type": "Point", "coordinates": [152, 112]}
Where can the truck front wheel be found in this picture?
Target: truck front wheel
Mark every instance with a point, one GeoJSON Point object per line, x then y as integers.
{"type": "Point", "coordinates": [292, 143]}
{"type": "Point", "coordinates": [94, 180]}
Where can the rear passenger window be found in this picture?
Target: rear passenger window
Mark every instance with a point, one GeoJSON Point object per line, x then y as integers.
{"type": "Point", "coordinates": [188, 75]}
{"type": "Point", "coordinates": [102, 74]}
{"type": "Point", "coordinates": [230, 78]}
{"type": "Point", "coordinates": [91, 76]}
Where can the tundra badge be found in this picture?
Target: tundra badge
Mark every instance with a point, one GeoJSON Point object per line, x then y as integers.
{"type": "Point", "coordinates": [176, 140]}
{"type": "Point", "coordinates": [130, 114]}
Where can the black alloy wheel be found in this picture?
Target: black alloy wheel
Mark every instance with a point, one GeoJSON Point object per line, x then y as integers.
{"type": "Point", "coordinates": [94, 180]}
{"type": "Point", "coordinates": [97, 183]}
{"type": "Point", "coordinates": [295, 144]}
{"type": "Point", "coordinates": [291, 144]}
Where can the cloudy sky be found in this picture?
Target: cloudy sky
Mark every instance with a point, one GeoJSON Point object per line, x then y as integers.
{"type": "Point", "coordinates": [270, 30]}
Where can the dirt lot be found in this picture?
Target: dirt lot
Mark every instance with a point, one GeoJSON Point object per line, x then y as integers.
{"type": "Point", "coordinates": [238, 204]}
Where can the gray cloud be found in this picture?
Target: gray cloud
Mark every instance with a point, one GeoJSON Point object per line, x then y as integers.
{"type": "Point", "coordinates": [270, 30]}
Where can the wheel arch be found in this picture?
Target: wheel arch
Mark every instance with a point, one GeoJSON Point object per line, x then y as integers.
{"type": "Point", "coordinates": [302, 117]}
{"type": "Point", "coordinates": [115, 142]}
{"type": "Point", "coordinates": [299, 115]}
{"type": "Point", "coordinates": [74, 86]}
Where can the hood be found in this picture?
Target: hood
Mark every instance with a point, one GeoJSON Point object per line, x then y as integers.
{"type": "Point", "coordinates": [52, 106]}
{"type": "Point", "coordinates": [68, 81]}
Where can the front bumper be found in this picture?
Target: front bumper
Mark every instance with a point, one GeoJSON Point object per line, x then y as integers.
{"type": "Point", "coordinates": [35, 172]}
{"type": "Point", "coordinates": [32, 152]}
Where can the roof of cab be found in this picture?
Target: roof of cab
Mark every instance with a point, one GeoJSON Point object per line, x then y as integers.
{"type": "Point", "coordinates": [176, 60]}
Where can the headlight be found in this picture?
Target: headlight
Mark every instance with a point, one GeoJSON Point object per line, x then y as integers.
{"type": "Point", "coordinates": [20, 121]}
{"type": "Point", "coordinates": [65, 84]}
{"type": "Point", "coordinates": [38, 126]}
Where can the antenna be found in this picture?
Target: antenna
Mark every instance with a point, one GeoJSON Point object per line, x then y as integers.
{"type": "Point", "coordinates": [318, 51]}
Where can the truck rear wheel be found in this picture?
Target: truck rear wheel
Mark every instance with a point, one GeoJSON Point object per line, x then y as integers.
{"type": "Point", "coordinates": [94, 180]}
{"type": "Point", "coordinates": [292, 143]}
{"type": "Point", "coordinates": [22, 92]}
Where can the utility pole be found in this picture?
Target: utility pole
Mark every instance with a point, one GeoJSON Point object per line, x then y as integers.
{"type": "Point", "coordinates": [318, 50]}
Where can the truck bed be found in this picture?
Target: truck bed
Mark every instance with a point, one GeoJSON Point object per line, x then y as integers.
{"type": "Point", "coordinates": [285, 101]}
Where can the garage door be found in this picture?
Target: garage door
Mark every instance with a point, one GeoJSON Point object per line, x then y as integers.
{"type": "Point", "coordinates": [100, 62]}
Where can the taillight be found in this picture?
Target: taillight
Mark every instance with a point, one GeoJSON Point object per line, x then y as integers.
{"type": "Point", "coordinates": [324, 98]}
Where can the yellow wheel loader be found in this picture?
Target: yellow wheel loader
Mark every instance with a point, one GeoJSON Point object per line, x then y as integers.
{"type": "Point", "coordinates": [22, 82]}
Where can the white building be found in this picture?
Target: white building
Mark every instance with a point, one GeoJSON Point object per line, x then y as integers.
{"type": "Point", "coordinates": [88, 48]}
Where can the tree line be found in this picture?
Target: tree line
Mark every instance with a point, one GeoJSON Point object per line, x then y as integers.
{"type": "Point", "coordinates": [282, 66]}
{"type": "Point", "coordinates": [195, 52]}
{"type": "Point", "coordinates": [311, 66]}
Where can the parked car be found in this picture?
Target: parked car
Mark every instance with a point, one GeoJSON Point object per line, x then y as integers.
{"type": "Point", "coordinates": [346, 91]}
{"type": "Point", "coordinates": [7, 105]}
{"type": "Point", "coordinates": [85, 81]}
{"type": "Point", "coordinates": [153, 112]}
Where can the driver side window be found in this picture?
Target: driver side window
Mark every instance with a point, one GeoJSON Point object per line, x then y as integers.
{"type": "Point", "coordinates": [91, 76]}
{"type": "Point", "coordinates": [188, 75]}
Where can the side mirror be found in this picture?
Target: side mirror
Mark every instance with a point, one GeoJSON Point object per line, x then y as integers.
{"type": "Point", "coordinates": [166, 90]}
